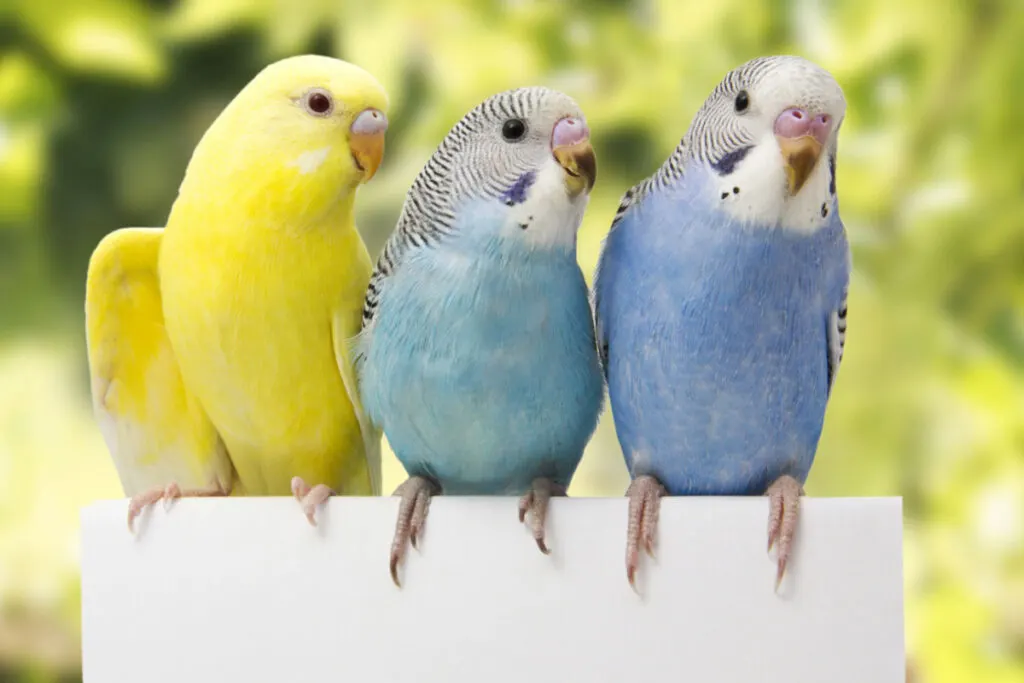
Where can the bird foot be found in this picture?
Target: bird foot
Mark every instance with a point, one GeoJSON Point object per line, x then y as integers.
{"type": "Point", "coordinates": [644, 503]}
{"type": "Point", "coordinates": [784, 507]}
{"type": "Point", "coordinates": [168, 494]}
{"type": "Point", "coordinates": [310, 498]}
{"type": "Point", "coordinates": [535, 505]}
{"type": "Point", "coordinates": [412, 515]}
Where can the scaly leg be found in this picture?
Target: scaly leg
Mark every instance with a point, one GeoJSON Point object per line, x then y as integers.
{"type": "Point", "coordinates": [535, 502]}
{"type": "Point", "coordinates": [168, 494]}
{"type": "Point", "coordinates": [310, 498]}
{"type": "Point", "coordinates": [644, 502]}
{"type": "Point", "coordinates": [412, 514]}
{"type": "Point", "coordinates": [784, 506]}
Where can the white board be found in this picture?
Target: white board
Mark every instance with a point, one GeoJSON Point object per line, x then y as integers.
{"type": "Point", "coordinates": [225, 590]}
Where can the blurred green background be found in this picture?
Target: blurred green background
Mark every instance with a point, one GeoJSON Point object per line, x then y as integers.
{"type": "Point", "coordinates": [101, 102]}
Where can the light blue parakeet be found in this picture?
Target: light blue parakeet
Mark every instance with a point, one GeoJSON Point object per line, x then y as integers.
{"type": "Point", "coordinates": [478, 355]}
{"type": "Point", "coordinates": [720, 297]}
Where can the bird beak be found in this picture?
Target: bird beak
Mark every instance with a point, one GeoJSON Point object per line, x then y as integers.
{"type": "Point", "coordinates": [801, 135]}
{"type": "Point", "coordinates": [366, 141]}
{"type": "Point", "coordinates": [580, 166]}
{"type": "Point", "coordinates": [799, 156]}
{"type": "Point", "coordinates": [570, 144]}
{"type": "Point", "coordinates": [368, 151]}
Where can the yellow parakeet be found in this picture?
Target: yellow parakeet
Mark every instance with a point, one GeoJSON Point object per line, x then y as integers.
{"type": "Point", "coordinates": [218, 345]}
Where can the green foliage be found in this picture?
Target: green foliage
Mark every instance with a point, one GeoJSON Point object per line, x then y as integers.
{"type": "Point", "coordinates": [102, 101]}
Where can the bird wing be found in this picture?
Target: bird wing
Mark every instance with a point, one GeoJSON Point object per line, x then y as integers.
{"type": "Point", "coordinates": [595, 304]}
{"type": "Point", "coordinates": [344, 353]}
{"type": "Point", "coordinates": [410, 234]}
{"type": "Point", "coordinates": [156, 431]}
{"type": "Point", "coordinates": [836, 340]}
{"type": "Point", "coordinates": [631, 197]}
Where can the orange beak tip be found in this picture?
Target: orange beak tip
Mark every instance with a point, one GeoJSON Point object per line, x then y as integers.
{"type": "Point", "coordinates": [368, 153]}
{"type": "Point", "coordinates": [800, 156]}
{"type": "Point", "coordinates": [580, 166]}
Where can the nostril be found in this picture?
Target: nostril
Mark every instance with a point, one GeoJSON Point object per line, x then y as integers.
{"type": "Point", "coordinates": [569, 131]}
{"type": "Point", "coordinates": [370, 122]}
{"type": "Point", "coordinates": [793, 122]}
{"type": "Point", "coordinates": [824, 119]}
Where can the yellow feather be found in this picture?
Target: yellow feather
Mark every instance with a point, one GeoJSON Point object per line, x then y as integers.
{"type": "Point", "coordinates": [260, 267]}
{"type": "Point", "coordinates": [155, 430]}
{"type": "Point", "coordinates": [344, 339]}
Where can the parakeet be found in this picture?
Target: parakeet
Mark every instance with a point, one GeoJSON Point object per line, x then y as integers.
{"type": "Point", "coordinates": [217, 345]}
{"type": "Point", "coordinates": [720, 299]}
{"type": "Point", "coordinates": [477, 355]}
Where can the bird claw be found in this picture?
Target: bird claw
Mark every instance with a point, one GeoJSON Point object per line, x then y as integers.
{"type": "Point", "coordinates": [169, 494]}
{"type": "Point", "coordinates": [310, 498]}
{"type": "Point", "coordinates": [783, 512]}
{"type": "Point", "coordinates": [644, 503]}
{"type": "Point", "coordinates": [412, 515]}
{"type": "Point", "coordinates": [534, 504]}
{"type": "Point", "coordinates": [524, 505]}
{"type": "Point", "coordinates": [140, 502]}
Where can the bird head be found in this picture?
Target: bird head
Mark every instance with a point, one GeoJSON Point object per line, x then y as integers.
{"type": "Point", "coordinates": [302, 135]}
{"type": "Point", "coordinates": [521, 162]}
{"type": "Point", "coordinates": [768, 133]}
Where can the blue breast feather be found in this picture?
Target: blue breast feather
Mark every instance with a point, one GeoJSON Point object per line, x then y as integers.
{"type": "Point", "coordinates": [717, 351]}
{"type": "Point", "coordinates": [482, 365]}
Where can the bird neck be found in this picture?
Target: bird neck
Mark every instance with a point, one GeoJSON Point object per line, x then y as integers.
{"type": "Point", "coordinates": [752, 195]}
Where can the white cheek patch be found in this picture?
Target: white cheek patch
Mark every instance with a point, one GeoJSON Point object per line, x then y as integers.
{"type": "Point", "coordinates": [308, 162]}
{"type": "Point", "coordinates": [812, 207]}
{"type": "Point", "coordinates": [548, 216]}
{"type": "Point", "coordinates": [756, 191]}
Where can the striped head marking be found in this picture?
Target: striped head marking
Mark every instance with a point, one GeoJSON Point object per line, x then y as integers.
{"type": "Point", "coordinates": [768, 133]}
{"type": "Point", "coordinates": [523, 155]}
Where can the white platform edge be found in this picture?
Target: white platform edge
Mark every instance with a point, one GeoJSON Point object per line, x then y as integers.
{"type": "Point", "coordinates": [244, 589]}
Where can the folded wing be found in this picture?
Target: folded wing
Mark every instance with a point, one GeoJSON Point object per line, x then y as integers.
{"type": "Point", "coordinates": [155, 429]}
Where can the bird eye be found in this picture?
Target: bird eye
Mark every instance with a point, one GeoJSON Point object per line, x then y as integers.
{"type": "Point", "coordinates": [742, 101]}
{"type": "Point", "coordinates": [513, 130]}
{"type": "Point", "coordinates": [318, 102]}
